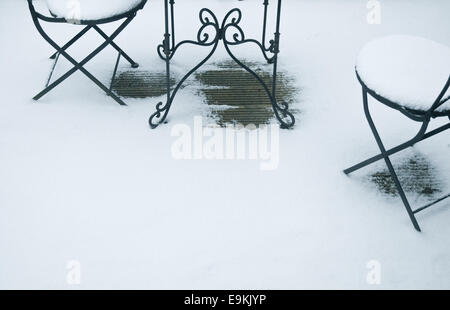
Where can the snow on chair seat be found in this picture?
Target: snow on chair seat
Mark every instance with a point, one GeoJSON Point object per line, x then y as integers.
{"type": "Point", "coordinates": [409, 71]}
{"type": "Point", "coordinates": [90, 10]}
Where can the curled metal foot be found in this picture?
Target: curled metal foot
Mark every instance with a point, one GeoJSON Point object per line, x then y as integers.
{"type": "Point", "coordinates": [160, 115]}
{"type": "Point", "coordinates": [284, 116]}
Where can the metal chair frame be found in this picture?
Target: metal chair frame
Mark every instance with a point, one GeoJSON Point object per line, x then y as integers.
{"type": "Point", "coordinates": [423, 117]}
{"type": "Point", "coordinates": [79, 66]}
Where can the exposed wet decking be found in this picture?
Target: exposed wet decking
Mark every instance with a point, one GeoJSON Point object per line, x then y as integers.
{"type": "Point", "coordinates": [233, 95]}
{"type": "Point", "coordinates": [417, 175]}
{"type": "Point", "coordinates": [140, 84]}
{"type": "Point", "coordinates": [230, 86]}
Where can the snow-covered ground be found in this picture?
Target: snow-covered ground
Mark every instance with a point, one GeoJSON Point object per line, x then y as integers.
{"type": "Point", "coordinates": [83, 179]}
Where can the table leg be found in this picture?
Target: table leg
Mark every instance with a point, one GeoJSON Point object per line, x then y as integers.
{"type": "Point", "coordinates": [163, 110]}
{"type": "Point", "coordinates": [231, 34]}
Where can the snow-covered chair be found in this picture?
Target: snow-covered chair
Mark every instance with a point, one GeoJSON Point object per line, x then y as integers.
{"type": "Point", "coordinates": [411, 75]}
{"type": "Point", "coordinates": [90, 14]}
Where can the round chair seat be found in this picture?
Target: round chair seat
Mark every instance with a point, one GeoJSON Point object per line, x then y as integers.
{"type": "Point", "coordinates": [406, 70]}
{"type": "Point", "coordinates": [91, 10]}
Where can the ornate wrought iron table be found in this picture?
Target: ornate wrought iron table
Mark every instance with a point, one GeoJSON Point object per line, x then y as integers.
{"type": "Point", "coordinates": [210, 34]}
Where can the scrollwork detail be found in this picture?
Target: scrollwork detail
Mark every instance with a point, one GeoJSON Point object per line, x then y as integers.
{"type": "Point", "coordinates": [231, 33]}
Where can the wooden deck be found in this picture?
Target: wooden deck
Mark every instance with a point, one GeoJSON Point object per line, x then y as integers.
{"type": "Point", "coordinates": [233, 95]}
{"type": "Point", "coordinates": [417, 175]}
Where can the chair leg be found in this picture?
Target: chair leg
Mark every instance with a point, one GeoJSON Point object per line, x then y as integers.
{"type": "Point", "coordinates": [418, 138]}
{"type": "Point", "coordinates": [79, 65]}
{"type": "Point", "coordinates": [128, 58]}
{"type": "Point", "coordinates": [73, 40]}
{"type": "Point", "coordinates": [389, 163]}
{"type": "Point", "coordinates": [379, 157]}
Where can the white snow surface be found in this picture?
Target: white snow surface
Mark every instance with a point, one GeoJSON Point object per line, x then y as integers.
{"type": "Point", "coordinates": [90, 9]}
{"type": "Point", "coordinates": [84, 179]}
{"type": "Point", "coordinates": [408, 70]}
